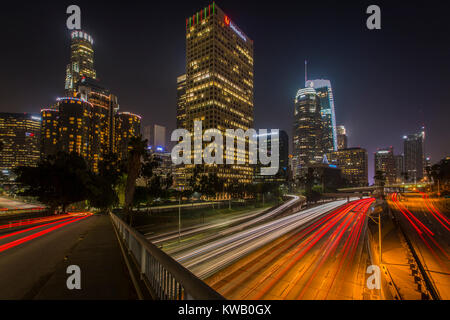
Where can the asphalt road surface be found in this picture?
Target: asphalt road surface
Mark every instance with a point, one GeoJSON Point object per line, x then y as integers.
{"type": "Point", "coordinates": [320, 260]}
{"type": "Point", "coordinates": [428, 229]}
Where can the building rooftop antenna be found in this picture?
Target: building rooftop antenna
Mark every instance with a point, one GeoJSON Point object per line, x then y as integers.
{"type": "Point", "coordinates": [306, 71]}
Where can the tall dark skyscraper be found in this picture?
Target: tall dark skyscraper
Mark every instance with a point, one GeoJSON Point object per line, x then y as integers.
{"type": "Point", "coordinates": [20, 135]}
{"type": "Point", "coordinates": [413, 151]}
{"type": "Point", "coordinates": [399, 167]}
{"type": "Point", "coordinates": [81, 61]}
{"type": "Point", "coordinates": [325, 94]}
{"type": "Point", "coordinates": [219, 81]}
{"type": "Point", "coordinates": [308, 126]}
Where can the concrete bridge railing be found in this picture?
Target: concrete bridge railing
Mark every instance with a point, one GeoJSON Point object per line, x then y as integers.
{"type": "Point", "coordinates": [164, 277]}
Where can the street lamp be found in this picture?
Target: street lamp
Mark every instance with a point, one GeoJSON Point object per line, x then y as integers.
{"type": "Point", "coordinates": [379, 231]}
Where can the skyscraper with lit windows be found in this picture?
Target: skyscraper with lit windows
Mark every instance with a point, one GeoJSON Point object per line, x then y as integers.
{"type": "Point", "coordinates": [219, 81]}
{"type": "Point", "coordinates": [181, 102]}
{"type": "Point", "coordinates": [128, 125]}
{"type": "Point", "coordinates": [105, 107]}
{"type": "Point", "coordinates": [325, 94]}
{"type": "Point", "coordinates": [81, 61]}
{"type": "Point", "coordinates": [86, 120]}
{"type": "Point", "coordinates": [20, 135]}
{"type": "Point", "coordinates": [49, 131]}
{"type": "Point", "coordinates": [354, 165]}
{"type": "Point", "coordinates": [75, 121]}
{"type": "Point", "coordinates": [308, 142]}
{"type": "Point", "coordinates": [385, 163]}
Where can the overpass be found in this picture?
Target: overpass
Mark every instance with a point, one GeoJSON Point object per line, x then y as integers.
{"type": "Point", "coordinates": [397, 187]}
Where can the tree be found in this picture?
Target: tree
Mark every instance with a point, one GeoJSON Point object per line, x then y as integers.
{"type": "Point", "coordinates": [2, 145]}
{"type": "Point", "coordinates": [137, 150]}
{"type": "Point", "coordinates": [103, 188]}
{"type": "Point", "coordinates": [307, 179]}
{"type": "Point", "coordinates": [314, 194]}
{"type": "Point", "coordinates": [141, 195]}
{"type": "Point", "coordinates": [58, 180]}
{"type": "Point", "coordinates": [440, 172]}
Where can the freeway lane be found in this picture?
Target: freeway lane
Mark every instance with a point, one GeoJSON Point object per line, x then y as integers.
{"type": "Point", "coordinates": [197, 236]}
{"type": "Point", "coordinates": [6, 204]}
{"type": "Point", "coordinates": [429, 231]}
{"type": "Point", "coordinates": [207, 259]}
{"type": "Point", "coordinates": [324, 260]}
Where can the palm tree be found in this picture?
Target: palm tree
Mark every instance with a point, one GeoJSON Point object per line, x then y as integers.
{"type": "Point", "coordinates": [137, 149]}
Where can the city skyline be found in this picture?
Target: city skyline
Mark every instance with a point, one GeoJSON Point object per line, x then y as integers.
{"type": "Point", "coordinates": [400, 97]}
{"type": "Point", "coordinates": [224, 151]}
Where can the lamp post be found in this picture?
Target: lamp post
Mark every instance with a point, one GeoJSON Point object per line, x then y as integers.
{"type": "Point", "coordinates": [179, 219]}
{"type": "Point", "coordinates": [379, 232]}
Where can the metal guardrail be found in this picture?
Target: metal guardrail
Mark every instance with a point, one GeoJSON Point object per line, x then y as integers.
{"type": "Point", "coordinates": [165, 278]}
{"type": "Point", "coordinates": [433, 293]}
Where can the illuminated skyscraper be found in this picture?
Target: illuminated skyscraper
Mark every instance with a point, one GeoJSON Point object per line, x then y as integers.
{"type": "Point", "coordinates": [75, 123]}
{"type": "Point", "coordinates": [181, 101]}
{"type": "Point", "coordinates": [81, 61]}
{"type": "Point", "coordinates": [49, 132]}
{"type": "Point", "coordinates": [414, 155]}
{"type": "Point", "coordinates": [105, 107]}
{"type": "Point", "coordinates": [219, 81]}
{"type": "Point", "coordinates": [20, 135]}
{"type": "Point", "coordinates": [128, 125]}
{"type": "Point", "coordinates": [353, 163]}
{"type": "Point", "coordinates": [325, 94]}
{"type": "Point", "coordinates": [308, 142]}
{"type": "Point", "coordinates": [385, 162]}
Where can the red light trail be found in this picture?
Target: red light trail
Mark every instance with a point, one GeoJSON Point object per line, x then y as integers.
{"type": "Point", "coordinates": [59, 224]}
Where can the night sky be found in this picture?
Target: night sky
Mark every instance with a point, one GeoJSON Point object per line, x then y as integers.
{"type": "Point", "coordinates": [387, 83]}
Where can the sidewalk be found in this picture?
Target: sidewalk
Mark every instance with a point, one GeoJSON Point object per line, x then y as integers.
{"type": "Point", "coordinates": [104, 274]}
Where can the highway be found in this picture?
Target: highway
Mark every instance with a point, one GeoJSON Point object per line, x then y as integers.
{"type": "Point", "coordinates": [194, 236]}
{"type": "Point", "coordinates": [8, 204]}
{"type": "Point", "coordinates": [428, 229]}
{"type": "Point", "coordinates": [323, 259]}
{"type": "Point", "coordinates": [208, 258]}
